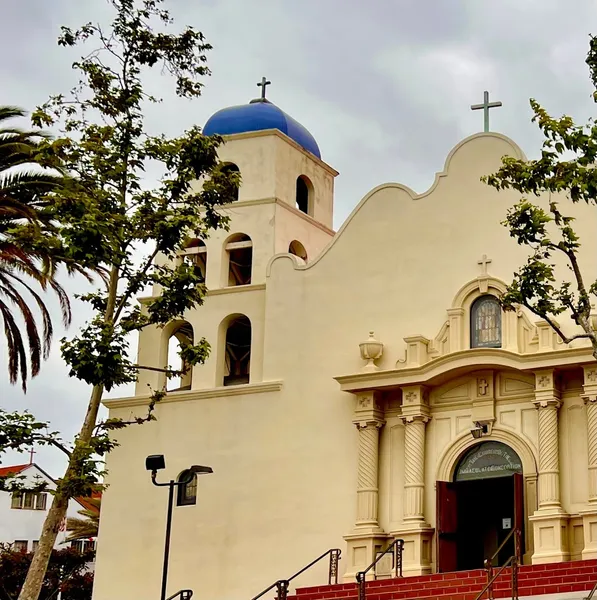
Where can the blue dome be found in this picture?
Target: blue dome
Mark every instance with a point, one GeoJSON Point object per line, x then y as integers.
{"type": "Point", "coordinates": [258, 116]}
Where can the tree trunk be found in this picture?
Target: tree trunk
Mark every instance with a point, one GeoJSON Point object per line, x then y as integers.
{"type": "Point", "coordinates": [39, 565]}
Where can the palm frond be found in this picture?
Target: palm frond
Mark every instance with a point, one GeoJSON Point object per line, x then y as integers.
{"type": "Point", "coordinates": [24, 188]}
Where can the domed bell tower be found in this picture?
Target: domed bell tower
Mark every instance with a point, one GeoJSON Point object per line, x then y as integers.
{"type": "Point", "coordinates": [284, 205]}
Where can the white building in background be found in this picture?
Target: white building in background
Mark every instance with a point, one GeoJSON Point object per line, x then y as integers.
{"type": "Point", "coordinates": [22, 514]}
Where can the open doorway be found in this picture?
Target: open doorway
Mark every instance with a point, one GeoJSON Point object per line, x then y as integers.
{"type": "Point", "coordinates": [477, 511]}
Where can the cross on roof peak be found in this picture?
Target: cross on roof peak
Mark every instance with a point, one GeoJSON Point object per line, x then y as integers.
{"type": "Point", "coordinates": [485, 107]}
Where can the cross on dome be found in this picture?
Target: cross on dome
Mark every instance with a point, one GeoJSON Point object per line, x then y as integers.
{"type": "Point", "coordinates": [263, 84]}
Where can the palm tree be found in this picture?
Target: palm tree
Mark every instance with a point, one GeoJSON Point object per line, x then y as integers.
{"type": "Point", "coordinates": [23, 189]}
{"type": "Point", "coordinates": [83, 529]}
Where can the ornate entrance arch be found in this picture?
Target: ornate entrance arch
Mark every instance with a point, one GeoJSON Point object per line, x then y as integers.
{"type": "Point", "coordinates": [450, 458]}
{"type": "Point", "coordinates": [488, 460]}
{"type": "Point", "coordinates": [506, 454]}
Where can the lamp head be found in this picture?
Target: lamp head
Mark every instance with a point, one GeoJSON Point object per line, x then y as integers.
{"type": "Point", "coordinates": [480, 429]}
{"type": "Point", "coordinates": [200, 469]}
{"type": "Point", "coordinates": [155, 462]}
{"type": "Point", "coordinates": [477, 432]}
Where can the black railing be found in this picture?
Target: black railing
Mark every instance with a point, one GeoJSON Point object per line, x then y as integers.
{"type": "Point", "coordinates": [282, 585]}
{"type": "Point", "coordinates": [395, 548]}
{"type": "Point", "coordinates": [514, 562]}
{"type": "Point", "coordinates": [182, 595]}
{"type": "Point", "coordinates": [592, 592]}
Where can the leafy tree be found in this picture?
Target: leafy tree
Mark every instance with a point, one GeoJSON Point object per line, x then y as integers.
{"type": "Point", "coordinates": [88, 526]}
{"type": "Point", "coordinates": [108, 220]}
{"type": "Point", "coordinates": [23, 186]}
{"type": "Point", "coordinates": [567, 166]}
{"type": "Point", "coordinates": [67, 574]}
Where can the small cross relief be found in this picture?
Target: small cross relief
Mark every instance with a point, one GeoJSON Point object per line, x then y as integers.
{"type": "Point", "coordinates": [484, 263]}
{"type": "Point", "coordinates": [592, 376]}
{"type": "Point", "coordinates": [364, 402]}
{"type": "Point", "coordinates": [482, 387]}
{"type": "Point", "coordinates": [411, 396]}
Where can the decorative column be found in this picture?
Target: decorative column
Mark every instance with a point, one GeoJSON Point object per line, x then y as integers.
{"type": "Point", "coordinates": [367, 490]}
{"type": "Point", "coordinates": [367, 538]}
{"type": "Point", "coordinates": [415, 530]}
{"type": "Point", "coordinates": [589, 515]}
{"type": "Point", "coordinates": [414, 468]}
{"type": "Point", "coordinates": [550, 522]}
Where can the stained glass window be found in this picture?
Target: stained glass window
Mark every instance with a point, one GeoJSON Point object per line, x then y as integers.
{"type": "Point", "coordinates": [486, 323]}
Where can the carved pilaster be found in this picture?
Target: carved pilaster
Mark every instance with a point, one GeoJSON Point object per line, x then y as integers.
{"type": "Point", "coordinates": [414, 468]}
{"type": "Point", "coordinates": [416, 532]}
{"type": "Point", "coordinates": [589, 515]}
{"type": "Point", "coordinates": [368, 420]}
{"type": "Point", "coordinates": [549, 456]}
{"type": "Point", "coordinates": [550, 522]}
{"type": "Point", "coordinates": [366, 538]}
{"type": "Point", "coordinates": [367, 486]}
{"type": "Point", "coordinates": [590, 398]}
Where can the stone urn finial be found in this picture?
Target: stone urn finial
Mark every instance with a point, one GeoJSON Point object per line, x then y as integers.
{"type": "Point", "coordinates": [371, 350]}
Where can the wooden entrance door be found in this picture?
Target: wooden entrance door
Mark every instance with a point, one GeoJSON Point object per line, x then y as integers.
{"type": "Point", "coordinates": [447, 526]}
{"type": "Point", "coordinates": [519, 509]}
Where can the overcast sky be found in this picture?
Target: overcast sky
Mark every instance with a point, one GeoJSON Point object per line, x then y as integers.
{"type": "Point", "coordinates": [385, 87]}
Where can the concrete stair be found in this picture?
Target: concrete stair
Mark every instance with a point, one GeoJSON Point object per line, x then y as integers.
{"type": "Point", "coordinates": [533, 580]}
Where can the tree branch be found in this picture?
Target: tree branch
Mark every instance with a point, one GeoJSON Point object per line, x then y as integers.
{"type": "Point", "coordinates": [553, 324]}
{"type": "Point", "coordinates": [135, 280]}
{"type": "Point", "coordinates": [159, 370]}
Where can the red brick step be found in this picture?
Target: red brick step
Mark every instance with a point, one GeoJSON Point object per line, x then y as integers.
{"type": "Point", "coordinates": [533, 580]}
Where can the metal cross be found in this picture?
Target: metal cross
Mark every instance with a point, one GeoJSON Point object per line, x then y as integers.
{"type": "Point", "coordinates": [483, 263]}
{"type": "Point", "coordinates": [262, 85]}
{"type": "Point", "coordinates": [31, 453]}
{"type": "Point", "coordinates": [486, 106]}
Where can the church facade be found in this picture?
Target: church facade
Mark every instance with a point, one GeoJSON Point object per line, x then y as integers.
{"type": "Point", "coordinates": [363, 386]}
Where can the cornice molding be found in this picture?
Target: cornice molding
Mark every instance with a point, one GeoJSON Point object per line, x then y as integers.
{"type": "Point", "coordinates": [189, 395]}
{"type": "Point", "coordinates": [252, 287]}
{"type": "Point", "coordinates": [470, 359]}
{"type": "Point", "coordinates": [288, 140]}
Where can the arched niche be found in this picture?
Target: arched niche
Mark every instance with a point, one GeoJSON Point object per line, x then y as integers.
{"type": "Point", "coordinates": [238, 260]}
{"type": "Point", "coordinates": [456, 335]}
{"type": "Point", "coordinates": [235, 339]}
{"type": "Point", "coordinates": [181, 333]}
{"type": "Point", "coordinates": [295, 247]}
{"type": "Point", "coordinates": [228, 168]}
{"type": "Point", "coordinates": [304, 195]}
{"type": "Point", "coordinates": [195, 253]}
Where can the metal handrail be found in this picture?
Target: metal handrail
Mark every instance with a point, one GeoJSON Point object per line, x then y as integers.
{"type": "Point", "coordinates": [592, 592]}
{"type": "Point", "coordinates": [282, 585]}
{"type": "Point", "coordinates": [489, 584]}
{"type": "Point", "coordinates": [396, 547]}
{"type": "Point", "coordinates": [514, 561]}
{"type": "Point", "coordinates": [182, 594]}
{"type": "Point", "coordinates": [490, 560]}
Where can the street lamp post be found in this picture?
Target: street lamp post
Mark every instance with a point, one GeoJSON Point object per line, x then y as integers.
{"type": "Point", "coordinates": [155, 463]}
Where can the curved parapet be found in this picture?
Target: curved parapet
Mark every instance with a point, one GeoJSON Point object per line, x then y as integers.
{"type": "Point", "coordinates": [480, 147]}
